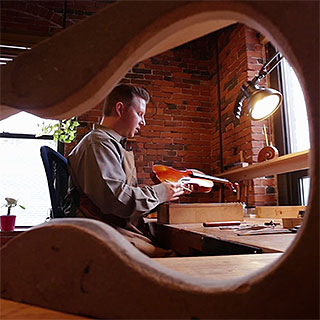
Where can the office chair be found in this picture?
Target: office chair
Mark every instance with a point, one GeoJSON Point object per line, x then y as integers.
{"type": "Point", "coordinates": [56, 168]}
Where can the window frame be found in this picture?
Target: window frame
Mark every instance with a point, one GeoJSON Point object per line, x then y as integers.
{"type": "Point", "coordinates": [7, 135]}
{"type": "Point", "coordinates": [288, 183]}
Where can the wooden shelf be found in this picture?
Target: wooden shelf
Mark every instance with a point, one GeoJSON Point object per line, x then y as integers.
{"type": "Point", "coordinates": [287, 163]}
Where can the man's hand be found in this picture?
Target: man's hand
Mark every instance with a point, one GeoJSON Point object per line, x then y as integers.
{"type": "Point", "coordinates": [175, 190]}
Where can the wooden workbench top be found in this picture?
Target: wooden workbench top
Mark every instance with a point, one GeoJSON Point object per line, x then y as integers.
{"type": "Point", "coordinates": [181, 236]}
{"type": "Point", "coordinates": [268, 243]}
{"type": "Point", "coordinates": [21, 311]}
{"type": "Point", "coordinates": [219, 267]}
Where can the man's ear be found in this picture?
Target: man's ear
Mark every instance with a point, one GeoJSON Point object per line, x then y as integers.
{"type": "Point", "coordinates": [119, 108]}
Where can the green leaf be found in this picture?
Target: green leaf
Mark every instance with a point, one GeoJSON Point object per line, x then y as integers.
{"type": "Point", "coordinates": [64, 131]}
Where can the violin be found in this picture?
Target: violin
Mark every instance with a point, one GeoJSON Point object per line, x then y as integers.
{"type": "Point", "coordinates": [200, 181]}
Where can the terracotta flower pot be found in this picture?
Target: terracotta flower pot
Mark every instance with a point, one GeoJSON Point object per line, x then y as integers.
{"type": "Point", "coordinates": [7, 223]}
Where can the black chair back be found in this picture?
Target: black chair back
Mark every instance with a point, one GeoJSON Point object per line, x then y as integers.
{"type": "Point", "coordinates": [56, 168]}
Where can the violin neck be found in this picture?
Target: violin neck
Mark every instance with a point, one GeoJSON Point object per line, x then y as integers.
{"type": "Point", "coordinates": [205, 176]}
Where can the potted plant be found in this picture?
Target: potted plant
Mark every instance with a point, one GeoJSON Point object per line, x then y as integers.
{"type": "Point", "coordinates": [8, 221]}
{"type": "Point", "coordinates": [64, 131]}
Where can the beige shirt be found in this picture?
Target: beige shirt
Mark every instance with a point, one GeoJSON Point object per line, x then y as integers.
{"type": "Point", "coordinates": [97, 169]}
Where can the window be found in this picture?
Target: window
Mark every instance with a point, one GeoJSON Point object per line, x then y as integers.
{"type": "Point", "coordinates": [21, 169]}
{"type": "Point", "coordinates": [293, 136]}
{"type": "Point", "coordinates": [304, 187]}
{"type": "Point", "coordinates": [296, 111]}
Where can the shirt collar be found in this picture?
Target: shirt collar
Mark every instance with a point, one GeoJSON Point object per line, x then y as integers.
{"type": "Point", "coordinates": [108, 130]}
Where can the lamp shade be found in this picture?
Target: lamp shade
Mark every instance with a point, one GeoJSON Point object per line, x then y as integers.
{"type": "Point", "coordinates": [263, 102]}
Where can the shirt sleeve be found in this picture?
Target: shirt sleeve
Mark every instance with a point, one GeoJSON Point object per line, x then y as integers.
{"type": "Point", "coordinates": [104, 182]}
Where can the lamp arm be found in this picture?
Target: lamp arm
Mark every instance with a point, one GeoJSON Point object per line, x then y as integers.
{"type": "Point", "coordinates": [237, 109]}
{"type": "Point", "coordinates": [270, 70]}
{"type": "Point", "coordinates": [263, 71]}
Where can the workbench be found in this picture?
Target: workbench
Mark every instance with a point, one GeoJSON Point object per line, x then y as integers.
{"type": "Point", "coordinates": [211, 268]}
{"type": "Point", "coordinates": [219, 267]}
{"type": "Point", "coordinates": [195, 239]}
{"type": "Point", "coordinates": [17, 310]}
{"type": "Point", "coordinates": [224, 267]}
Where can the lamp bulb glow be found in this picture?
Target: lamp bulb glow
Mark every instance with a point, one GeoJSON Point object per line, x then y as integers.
{"type": "Point", "coordinates": [266, 106]}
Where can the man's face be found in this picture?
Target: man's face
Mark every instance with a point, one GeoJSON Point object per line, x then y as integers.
{"type": "Point", "coordinates": [133, 117]}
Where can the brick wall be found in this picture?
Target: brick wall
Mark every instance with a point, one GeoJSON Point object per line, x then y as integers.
{"type": "Point", "coordinates": [183, 119]}
{"type": "Point", "coordinates": [183, 125]}
{"type": "Point", "coordinates": [179, 121]}
{"type": "Point", "coordinates": [240, 57]}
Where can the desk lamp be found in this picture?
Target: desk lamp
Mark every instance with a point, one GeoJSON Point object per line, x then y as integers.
{"type": "Point", "coordinates": [262, 102]}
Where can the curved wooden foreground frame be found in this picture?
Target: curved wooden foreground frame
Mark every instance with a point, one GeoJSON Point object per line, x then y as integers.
{"type": "Point", "coordinates": [110, 279]}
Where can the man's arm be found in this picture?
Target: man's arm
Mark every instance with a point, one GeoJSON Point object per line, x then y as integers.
{"type": "Point", "coordinates": [100, 176]}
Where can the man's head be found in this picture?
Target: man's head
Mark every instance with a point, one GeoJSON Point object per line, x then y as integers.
{"type": "Point", "coordinates": [124, 109]}
{"type": "Point", "coordinates": [125, 94]}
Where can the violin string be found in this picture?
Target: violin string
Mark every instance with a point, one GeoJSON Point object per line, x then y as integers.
{"type": "Point", "coordinates": [187, 189]}
{"type": "Point", "coordinates": [183, 187]}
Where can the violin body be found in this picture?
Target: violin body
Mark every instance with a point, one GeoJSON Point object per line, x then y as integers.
{"type": "Point", "coordinates": [162, 173]}
{"type": "Point", "coordinates": [200, 182]}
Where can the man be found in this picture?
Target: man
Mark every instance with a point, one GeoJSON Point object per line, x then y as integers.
{"type": "Point", "coordinates": [104, 172]}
